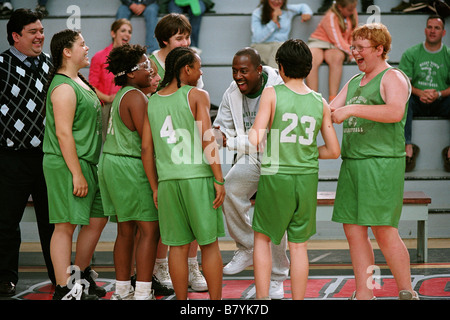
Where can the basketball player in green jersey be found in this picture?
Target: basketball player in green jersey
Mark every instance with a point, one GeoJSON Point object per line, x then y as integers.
{"type": "Point", "coordinates": [126, 192]}
{"type": "Point", "coordinates": [372, 107]}
{"type": "Point", "coordinates": [182, 162]}
{"type": "Point", "coordinates": [287, 189]}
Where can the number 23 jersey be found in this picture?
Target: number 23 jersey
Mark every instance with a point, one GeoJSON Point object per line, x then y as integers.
{"type": "Point", "coordinates": [291, 142]}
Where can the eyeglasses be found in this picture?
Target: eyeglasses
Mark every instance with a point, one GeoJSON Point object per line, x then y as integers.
{"type": "Point", "coordinates": [140, 66]}
{"type": "Point", "coordinates": [359, 48]}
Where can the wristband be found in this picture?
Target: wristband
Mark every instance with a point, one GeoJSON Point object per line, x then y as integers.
{"type": "Point", "coordinates": [219, 183]}
{"type": "Point", "coordinates": [440, 95]}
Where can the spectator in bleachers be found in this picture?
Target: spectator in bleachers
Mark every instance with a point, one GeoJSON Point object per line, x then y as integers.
{"type": "Point", "coordinates": [23, 73]}
{"type": "Point", "coordinates": [6, 8]}
{"type": "Point", "coordinates": [330, 43]}
{"type": "Point", "coordinates": [235, 117]}
{"type": "Point", "coordinates": [42, 7]}
{"type": "Point", "coordinates": [427, 65]}
{"type": "Point", "coordinates": [172, 31]}
{"type": "Point", "coordinates": [72, 145]}
{"type": "Point", "coordinates": [326, 4]}
{"type": "Point", "coordinates": [194, 10]}
{"type": "Point", "coordinates": [100, 78]}
{"type": "Point", "coordinates": [271, 26]}
{"type": "Point", "coordinates": [149, 9]}
{"type": "Point", "coordinates": [372, 107]}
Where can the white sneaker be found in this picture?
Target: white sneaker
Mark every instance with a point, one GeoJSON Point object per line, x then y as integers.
{"type": "Point", "coordinates": [276, 290]}
{"type": "Point", "coordinates": [128, 296]}
{"type": "Point", "coordinates": [161, 272]}
{"type": "Point", "coordinates": [196, 280]}
{"type": "Point", "coordinates": [241, 260]}
{"type": "Point", "coordinates": [151, 296]}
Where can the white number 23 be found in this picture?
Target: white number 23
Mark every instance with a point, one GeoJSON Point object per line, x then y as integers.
{"type": "Point", "coordinates": [292, 138]}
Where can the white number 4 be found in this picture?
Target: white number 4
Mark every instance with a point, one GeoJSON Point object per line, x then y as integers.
{"type": "Point", "coordinates": [285, 137]}
{"type": "Point", "coordinates": [167, 130]}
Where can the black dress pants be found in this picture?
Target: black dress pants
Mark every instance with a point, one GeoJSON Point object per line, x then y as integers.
{"type": "Point", "coordinates": [21, 175]}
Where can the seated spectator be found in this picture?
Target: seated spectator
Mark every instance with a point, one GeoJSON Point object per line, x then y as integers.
{"type": "Point", "coordinates": [330, 42]}
{"type": "Point", "coordinates": [195, 18]}
{"type": "Point", "coordinates": [427, 65]}
{"type": "Point", "coordinates": [42, 7]}
{"type": "Point", "coordinates": [149, 9]}
{"type": "Point", "coordinates": [100, 78]}
{"type": "Point", "coordinates": [271, 26]}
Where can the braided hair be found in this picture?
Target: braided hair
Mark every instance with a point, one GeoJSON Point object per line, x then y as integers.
{"type": "Point", "coordinates": [60, 41]}
{"type": "Point", "coordinates": [175, 60]}
{"type": "Point", "coordinates": [123, 58]}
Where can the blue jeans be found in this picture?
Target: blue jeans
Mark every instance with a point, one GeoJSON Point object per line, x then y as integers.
{"type": "Point", "coordinates": [195, 21]}
{"type": "Point", "coordinates": [150, 15]}
{"type": "Point", "coordinates": [416, 108]}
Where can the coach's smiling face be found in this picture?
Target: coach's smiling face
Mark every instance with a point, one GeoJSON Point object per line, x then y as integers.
{"type": "Point", "coordinates": [246, 75]}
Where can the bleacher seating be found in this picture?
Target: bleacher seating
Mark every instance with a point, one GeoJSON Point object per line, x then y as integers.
{"type": "Point", "coordinates": [226, 30]}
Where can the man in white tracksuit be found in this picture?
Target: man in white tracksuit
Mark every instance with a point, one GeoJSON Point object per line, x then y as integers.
{"type": "Point", "coordinates": [235, 117]}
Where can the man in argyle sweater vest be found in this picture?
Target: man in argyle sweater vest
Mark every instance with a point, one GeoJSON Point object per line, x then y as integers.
{"type": "Point", "coordinates": [22, 120]}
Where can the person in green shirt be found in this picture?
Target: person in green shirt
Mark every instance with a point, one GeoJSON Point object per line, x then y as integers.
{"type": "Point", "coordinates": [372, 107]}
{"type": "Point", "coordinates": [72, 144]}
{"type": "Point", "coordinates": [182, 162]}
{"type": "Point", "coordinates": [427, 65]}
{"type": "Point", "coordinates": [287, 189]}
{"type": "Point", "coordinates": [126, 192]}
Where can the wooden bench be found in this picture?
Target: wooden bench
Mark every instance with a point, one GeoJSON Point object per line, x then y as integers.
{"type": "Point", "coordinates": [415, 208]}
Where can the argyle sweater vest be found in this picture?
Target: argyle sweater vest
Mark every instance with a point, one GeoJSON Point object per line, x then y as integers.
{"type": "Point", "coordinates": [22, 95]}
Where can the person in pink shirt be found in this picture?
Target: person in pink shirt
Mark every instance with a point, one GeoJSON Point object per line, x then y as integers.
{"type": "Point", "coordinates": [330, 42]}
{"type": "Point", "coordinates": [100, 78]}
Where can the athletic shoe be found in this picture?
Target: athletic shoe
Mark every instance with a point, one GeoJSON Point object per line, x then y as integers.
{"type": "Point", "coordinates": [6, 9]}
{"type": "Point", "coordinates": [408, 295]}
{"type": "Point", "coordinates": [151, 296]}
{"type": "Point", "coordinates": [75, 293]}
{"type": "Point", "coordinates": [90, 275]}
{"type": "Point", "coordinates": [161, 272]}
{"type": "Point", "coordinates": [196, 280]}
{"type": "Point", "coordinates": [241, 260]}
{"type": "Point", "coordinates": [276, 290]}
{"type": "Point", "coordinates": [128, 296]}
{"type": "Point", "coordinates": [353, 297]}
{"type": "Point", "coordinates": [160, 289]}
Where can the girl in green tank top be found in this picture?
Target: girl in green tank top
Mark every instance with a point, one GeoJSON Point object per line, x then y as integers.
{"type": "Point", "coordinates": [180, 107]}
{"type": "Point", "coordinates": [72, 145]}
{"type": "Point", "coordinates": [126, 191]}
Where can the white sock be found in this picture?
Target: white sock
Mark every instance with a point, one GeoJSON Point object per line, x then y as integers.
{"type": "Point", "coordinates": [192, 260]}
{"type": "Point", "coordinates": [123, 287]}
{"type": "Point", "coordinates": [162, 260]}
{"type": "Point", "coordinates": [143, 290]}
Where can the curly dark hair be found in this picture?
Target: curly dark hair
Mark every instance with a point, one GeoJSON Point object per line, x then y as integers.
{"type": "Point", "coordinates": [175, 60]}
{"type": "Point", "coordinates": [124, 58]}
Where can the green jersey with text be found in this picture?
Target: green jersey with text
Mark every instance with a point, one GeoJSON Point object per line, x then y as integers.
{"type": "Point", "coordinates": [364, 138]}
{"type": "Point", "coordinates": [291, 142]}
{"type": "Point", "coordinates": [176, 137]}
{"type": "Point", "coordinates": [119, 139]}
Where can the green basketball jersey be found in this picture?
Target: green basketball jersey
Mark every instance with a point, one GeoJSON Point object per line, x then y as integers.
{"type": "Point", "coordinates": [119, 139]}
{"type": "Point", "coordinates": [87, 123]}
{"type": "Point", "coordinates": [291, 142]}
{"type": "Point", "coordinates": [364, 138]}
{"type": "Point", "coordinates": [176, 138]}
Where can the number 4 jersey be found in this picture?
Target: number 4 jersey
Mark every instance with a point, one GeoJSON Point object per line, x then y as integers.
{"type": "Point", "coordinates": [291, 142]}
{"type": "Point", "coordinates": [176, 138]}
